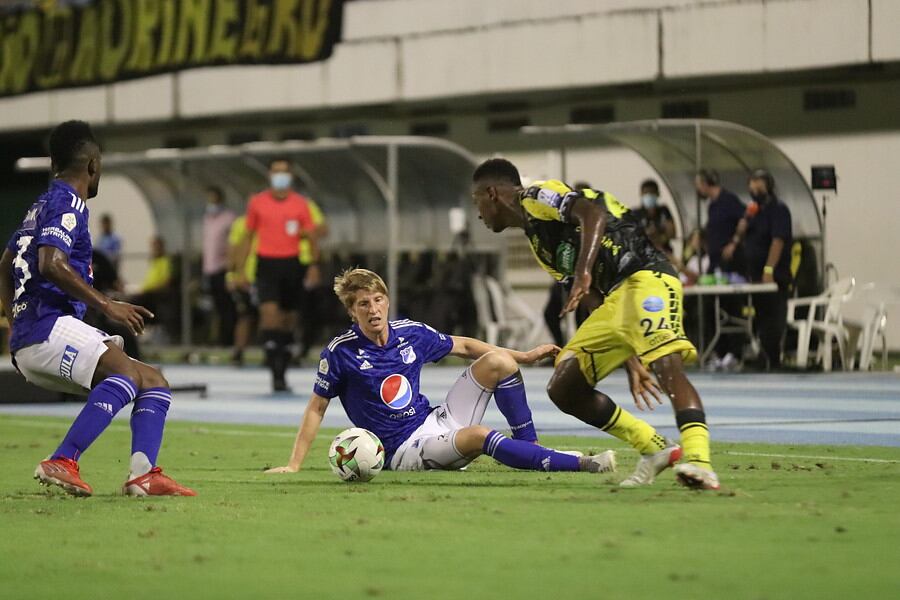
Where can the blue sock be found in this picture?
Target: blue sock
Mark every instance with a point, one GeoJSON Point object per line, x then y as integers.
{"type": "Point", "coordinates": [148, 419]}
{"type": "Point", "coordinates": [526, 455]}
{"type": "Point", "coordinates": [511, 400]}
{"type": "Point", "coordinates": [105, 400]}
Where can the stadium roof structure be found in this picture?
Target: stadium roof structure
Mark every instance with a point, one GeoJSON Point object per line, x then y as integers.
{"type": "Point", "coordinates": [381, 194]}
{"type": "Point", "coordinates": [678, 148]}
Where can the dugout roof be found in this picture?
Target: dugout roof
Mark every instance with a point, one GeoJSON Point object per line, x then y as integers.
{"type": "Point", "coordinates": [678, 148]}
{"type": "Point", "coordinates": [380, 194]}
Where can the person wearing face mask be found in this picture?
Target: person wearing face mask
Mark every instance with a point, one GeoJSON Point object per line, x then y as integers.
{"type": "Point", "coordinates": [765, 236]}
{"type": "Point", "coordinates": [655, 218]}
{"type": "Point", "coordinates": [216, 224]}
{"type": "Point", "coordinates": [279, 217]}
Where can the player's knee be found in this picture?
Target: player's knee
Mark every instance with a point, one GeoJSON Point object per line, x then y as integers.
{"type": "Point", "coordinates": [499, 364]}
{"type": "Point", "coordinates": [131, 371]}
{"type": "Point", "coordinates": [562, 387]}
{"type": "Point", "coordinates": [151, 377]}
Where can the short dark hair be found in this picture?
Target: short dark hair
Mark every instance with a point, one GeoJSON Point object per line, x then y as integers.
{"type": "Point", "coordinates": [581, 185]}
{"type": "Point", "coordinates": [650, 184]}
{"type": "Point", "coordinates": [763, 175]}
{"type": "Point", "coordinates": [276, 159]}
{"type": "Point", "coordinates": [709, 176]}
{"type": "Point", "coordinates": [67, 140]}
{"type": "Point", "coordinates": [214, 189]}
{"type": "Point", "coordinates": [497, 168]}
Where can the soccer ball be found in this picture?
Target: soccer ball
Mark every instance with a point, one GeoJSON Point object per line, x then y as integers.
{"type": "Point", "coordinates": [356, 454]}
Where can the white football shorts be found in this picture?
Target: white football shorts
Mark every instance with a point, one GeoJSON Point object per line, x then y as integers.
{"type": "Point", "coordinates": [67, 360]}
{"type": "Point", "coordinates": [432, 445]}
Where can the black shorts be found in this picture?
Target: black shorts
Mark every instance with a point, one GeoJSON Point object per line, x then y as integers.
{"type": "Point", "coordinates": [280, 280]}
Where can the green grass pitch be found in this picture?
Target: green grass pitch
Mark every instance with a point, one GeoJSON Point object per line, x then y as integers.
{"type": "Point", "coordinates": [785, 526]}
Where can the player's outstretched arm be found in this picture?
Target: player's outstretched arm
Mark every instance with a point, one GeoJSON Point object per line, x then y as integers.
{"type": "Point", "coordinates": [7, 293]}
{"type": "Point", "coordinates": [312, 420]}
{"type": "Point", "coordinates": [54, 266]}
{"type": "Point", "coordinates": [466, 347]}
{"type": "Point", "coordinates": [592, 219]}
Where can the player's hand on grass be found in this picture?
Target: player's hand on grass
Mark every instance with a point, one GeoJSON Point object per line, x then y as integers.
{"type": "Point", "coordinates": [580, 288]}
{"type": "Point", "coordinates": [537, 354]}
{"type": "Point", "coordinates": [285, 469]}
{"type": "Point", "coordinates": [643, 387]}
{"type": "Point", "coordinates": [130, 315]}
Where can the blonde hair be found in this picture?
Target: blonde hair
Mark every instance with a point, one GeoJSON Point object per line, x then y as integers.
{"type": "Point", "coordinates": [354, 280]}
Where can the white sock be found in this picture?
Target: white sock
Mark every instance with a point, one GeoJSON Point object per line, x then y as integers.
{"type": "Point", "coordinates": [140, 465]}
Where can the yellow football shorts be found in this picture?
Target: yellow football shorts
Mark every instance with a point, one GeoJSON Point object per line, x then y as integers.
{"type": "Point", "coordinates": [642, 317]}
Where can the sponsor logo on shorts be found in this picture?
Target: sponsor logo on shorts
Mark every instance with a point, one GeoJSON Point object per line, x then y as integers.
{"type": "Point", "coordinates": [396, 392]}
{"type": "Point", "coordinates": [653, 304]}
{"type": "Point", "coordinates": [408, 355]}
{"type": "Point", "coordinates": [68, 362]}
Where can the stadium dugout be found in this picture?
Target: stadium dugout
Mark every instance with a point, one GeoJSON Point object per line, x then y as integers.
{"type": "Point", "coordinates": [678, 148]}
{"type": "Point", "coordinates": [382, 194]}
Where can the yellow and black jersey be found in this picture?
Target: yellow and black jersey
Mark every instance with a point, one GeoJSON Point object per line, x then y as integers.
{"type": "Point", "coordinates": [555, 238]}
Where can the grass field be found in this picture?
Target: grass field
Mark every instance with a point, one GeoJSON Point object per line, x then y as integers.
{"type": "Point", "coordinates": [785, 526]}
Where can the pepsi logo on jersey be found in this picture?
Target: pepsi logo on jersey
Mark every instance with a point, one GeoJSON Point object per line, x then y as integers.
{"type": "Point", "coordinates": [396, 391]}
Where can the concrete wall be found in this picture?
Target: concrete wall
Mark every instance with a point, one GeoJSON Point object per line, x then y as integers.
{"type": "Point", "coordinates": [413, 50]}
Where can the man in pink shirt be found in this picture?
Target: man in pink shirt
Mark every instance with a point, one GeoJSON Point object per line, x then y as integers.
{"type": "Point", "coordinates": [216, 226]}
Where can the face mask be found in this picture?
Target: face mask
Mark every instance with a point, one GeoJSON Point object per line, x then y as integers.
{"type": "Point", "coordinates": [759, 198]}
{"type": "Point", "coordinates": [648, 201]}
{"type": "Point", "coordinates": [213, 209]}
{"type": "Point", "coordinates": [280, 181]}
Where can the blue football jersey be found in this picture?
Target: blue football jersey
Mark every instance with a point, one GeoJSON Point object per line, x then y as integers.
{"type": "Point", "coordinates": [59, 218]}
{"type": "Point", "coordinates": [379, 385]}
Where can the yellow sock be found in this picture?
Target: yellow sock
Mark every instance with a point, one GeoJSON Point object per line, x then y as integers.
{"type": "Point", "coordinates": [636, 432]}
{"type": "Point", "coordinates": [695, 443]}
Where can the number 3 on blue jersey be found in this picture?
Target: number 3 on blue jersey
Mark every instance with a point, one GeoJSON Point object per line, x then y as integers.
{"type": "Point", "coordinates": [22, 265]}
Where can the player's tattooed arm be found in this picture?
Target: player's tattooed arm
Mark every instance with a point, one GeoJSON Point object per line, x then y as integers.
{"type": "Point", "coordinates": [54, 266]}
{"type": "Point", "coordinates": [312, 420]}
{"type": "Point", "coordinates": [592, 219]}
{"type": "Point", "coordinates": [465, 347]}
{"type": "Point", "coordinates": [7, 292]}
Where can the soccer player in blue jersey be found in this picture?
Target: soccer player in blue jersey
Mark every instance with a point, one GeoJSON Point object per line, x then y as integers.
{"type": "Point", "coordinates": [45, 287]}
{"type": "Point", "coordinates": [374, 368]}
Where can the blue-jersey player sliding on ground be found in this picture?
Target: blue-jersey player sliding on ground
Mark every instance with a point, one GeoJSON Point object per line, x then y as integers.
{"type": "Point", "coordinates": [45, 286]}
{"type": "Point", "coordinates": [374, 368]}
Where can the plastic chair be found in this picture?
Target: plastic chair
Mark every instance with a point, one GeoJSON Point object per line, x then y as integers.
{"type": "Point", "coordinates": [873, 326]}
{"type": "Point", "coordinates": [508, 319]}
{"type": "Point", "coordinates": [829, 327]}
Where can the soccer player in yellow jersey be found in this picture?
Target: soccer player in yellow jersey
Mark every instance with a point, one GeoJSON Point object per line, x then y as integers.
{"type": "Point", "coordinates": [590, 238]}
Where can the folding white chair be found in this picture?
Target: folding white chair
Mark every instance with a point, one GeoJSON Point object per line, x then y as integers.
{"type": "Point", "coordinates": [829, 327]}
{"type": "Point", "coordinates": [517, 324]}
{"type": "Point", "coordinates": [873, 326]}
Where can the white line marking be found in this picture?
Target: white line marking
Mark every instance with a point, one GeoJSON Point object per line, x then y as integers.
{"type": "Point", "coordinates": [847, 458]}
{"type": "Point", "coordinates": [196, 430]}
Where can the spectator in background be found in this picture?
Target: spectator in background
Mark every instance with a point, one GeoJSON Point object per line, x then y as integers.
{"type": "Point", "coordinates": [315, 293]}
{"type": "Point", "coordinates": [654, 218]}
{"type": "Point", "coordinates": [767, 237]}
{"type": "Point", "coordinates": [279, 217]}
{"type": "Point", "coordinates": [724, 211]}
{"type": "Point", "coordinates": [216, 226]}
{"type": "Point", "coordinates": [157, 286]}
{"type": "Point", "coordinates": [241, 286]}
{"type": "Point", "coordinates": [110, 244]}
{"type": "Point", "coordinates": [694, 260]}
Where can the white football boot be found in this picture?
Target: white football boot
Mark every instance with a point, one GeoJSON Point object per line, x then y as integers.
{"type": "Point", "coordinates": [651, 465]}
{"type": "Point", "coordinates": [695, 477]}
{"type": "Point", "coordinates": [605, 462]}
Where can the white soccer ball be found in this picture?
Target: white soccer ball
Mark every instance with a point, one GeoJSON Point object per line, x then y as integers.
{"type": "Point", "coordinates": [356, 454]}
